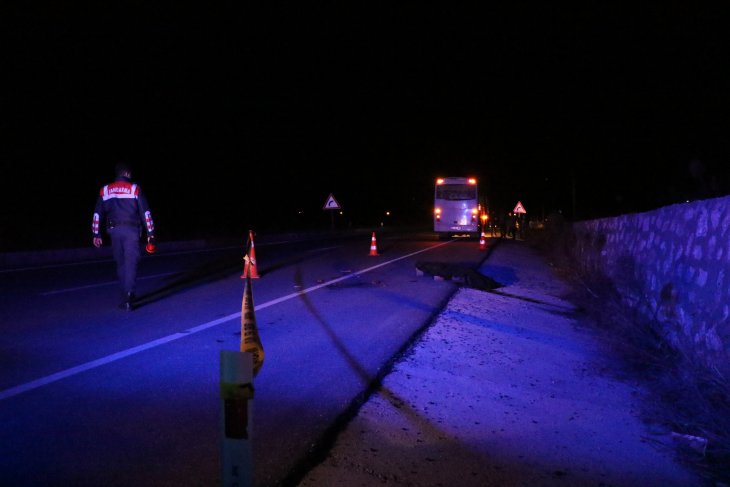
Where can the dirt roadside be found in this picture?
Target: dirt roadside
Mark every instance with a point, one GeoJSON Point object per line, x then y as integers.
{"type": "Point", "coordinates": [506, 388]}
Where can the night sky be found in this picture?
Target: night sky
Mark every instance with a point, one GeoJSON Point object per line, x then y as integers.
{"type": "Point", "coordinates": [238, 116]}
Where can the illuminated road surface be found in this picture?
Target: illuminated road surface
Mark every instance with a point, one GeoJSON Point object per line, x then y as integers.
{"type": "Point", "coordinates": [91, 395]}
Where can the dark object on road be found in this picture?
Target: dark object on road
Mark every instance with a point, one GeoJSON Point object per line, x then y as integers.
{"type": "Point", "coordinates": [457, 273]}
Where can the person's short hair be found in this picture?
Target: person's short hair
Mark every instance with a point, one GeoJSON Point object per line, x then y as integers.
{"type": "Point", "coordinates": [122, 169]}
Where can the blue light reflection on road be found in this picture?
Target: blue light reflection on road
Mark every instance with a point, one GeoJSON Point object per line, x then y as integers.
{"type": "Point", "coordinates": [28, 386]}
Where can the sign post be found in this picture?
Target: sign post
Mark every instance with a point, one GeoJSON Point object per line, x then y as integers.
{"type": "Point", "coordinates": [331, 204]}
{"type": "Point", "coordinates": [519, 211]}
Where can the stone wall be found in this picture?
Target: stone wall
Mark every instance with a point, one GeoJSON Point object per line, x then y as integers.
{"type": "Point", "coordinates": [672, 266]}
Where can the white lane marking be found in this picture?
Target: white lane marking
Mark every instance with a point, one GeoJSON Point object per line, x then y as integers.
{"type": "Point", "coordinates": [158, 255]}
{"type": "Point", "coordinates": [109, 283]}
{"type": "Point", "coordinates": [101, 284]}
{"type": "Point", "coordinates": [49, 379]}
{"type": "Point", "coordinates": [110, 259]}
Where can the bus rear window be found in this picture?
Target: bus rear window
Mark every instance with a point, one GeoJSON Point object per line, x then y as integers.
{"type": "Point", "coordinates": [455, 192]}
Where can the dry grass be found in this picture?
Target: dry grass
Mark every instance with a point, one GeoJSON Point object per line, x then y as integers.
{"type": "Point", "coordinates": [685, 401]}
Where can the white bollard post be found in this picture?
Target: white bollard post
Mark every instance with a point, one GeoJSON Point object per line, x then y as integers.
{"type": "Point", "coordinates": [236, 386]}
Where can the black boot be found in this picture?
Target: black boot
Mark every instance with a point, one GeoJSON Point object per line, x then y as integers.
{"type": "Point", "coordinates": [128, 303]}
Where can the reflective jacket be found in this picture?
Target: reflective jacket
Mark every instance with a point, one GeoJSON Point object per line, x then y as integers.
{"type": "Point", "coordinates": [122, 203]}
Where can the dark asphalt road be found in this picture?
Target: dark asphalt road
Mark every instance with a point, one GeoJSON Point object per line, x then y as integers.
{"type": "Point", "coordinates": [91, 395]}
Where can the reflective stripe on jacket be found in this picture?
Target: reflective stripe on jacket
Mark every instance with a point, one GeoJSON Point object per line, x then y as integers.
{"type": "Point", "coordinates": [122, 203]}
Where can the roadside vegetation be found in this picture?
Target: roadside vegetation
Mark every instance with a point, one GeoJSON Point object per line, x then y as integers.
{"type": "Point", "coordinates": [686, 405]}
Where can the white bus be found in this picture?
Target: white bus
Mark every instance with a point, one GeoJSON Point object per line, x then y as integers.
{"type": "Point", "coordinates": [456, 207]}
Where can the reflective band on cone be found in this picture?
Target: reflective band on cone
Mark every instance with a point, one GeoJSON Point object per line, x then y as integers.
{"type": "Point", "coordinates": [373, 246]}
{"type": "Point", "coordinates": [250, 260]}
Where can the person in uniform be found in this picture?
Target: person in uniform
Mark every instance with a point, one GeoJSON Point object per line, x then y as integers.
{"type": "Point", "coordinates": [123, 207]}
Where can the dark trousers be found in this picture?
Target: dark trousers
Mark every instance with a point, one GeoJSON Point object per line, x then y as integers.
{"type": "Point", "coordinates": [126, 250]}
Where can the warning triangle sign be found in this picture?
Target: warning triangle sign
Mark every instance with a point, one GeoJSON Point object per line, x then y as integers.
{"type": "Point", "coordinates": [519, 208]}
{"type": "Point", "coordinates": [331, 203]}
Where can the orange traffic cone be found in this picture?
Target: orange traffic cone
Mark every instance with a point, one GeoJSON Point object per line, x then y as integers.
{"type": "Point", "coordinates": [482, 242]}
{"type": "Point", "coordinates": [250, 339]}
{"type": "Point", "coordinates": [250, 260]}
{"type": "Point", "coordinates": [373, 246]}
